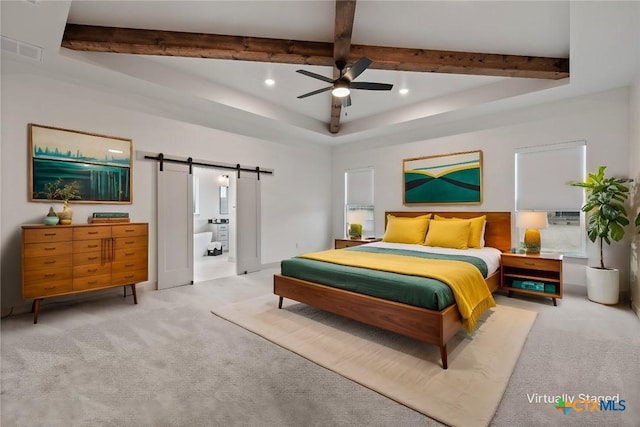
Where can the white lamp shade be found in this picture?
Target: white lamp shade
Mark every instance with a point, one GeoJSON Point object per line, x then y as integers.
{"type": "Point", "coordinates": [529, 219]}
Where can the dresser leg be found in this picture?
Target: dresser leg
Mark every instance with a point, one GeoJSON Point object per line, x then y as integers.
{"type": "Point", "coordinates": [133, 291]}
{"type": "Point", "coordinates": [554, 302]}
{"type": "Point", "coordinates": [36, 310]}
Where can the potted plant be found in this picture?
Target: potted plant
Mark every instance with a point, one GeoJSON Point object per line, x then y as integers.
{"type": "Point", "coordinates": [58, 190]}
{"type": "Point", "coordinates": [606, 222]}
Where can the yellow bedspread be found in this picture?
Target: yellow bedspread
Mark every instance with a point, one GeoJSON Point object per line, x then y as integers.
{"type": "Point", "coordinates": [466, 282]}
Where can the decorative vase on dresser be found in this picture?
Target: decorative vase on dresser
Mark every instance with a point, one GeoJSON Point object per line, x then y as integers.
{"type": "Point", "coordinates": [66, 214]}
{"type": "Point", "coordinates": [67, 260]}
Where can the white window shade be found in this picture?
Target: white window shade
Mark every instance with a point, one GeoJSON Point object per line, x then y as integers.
{"type": "Point", "coordinates": [359, 187]}
{"type": "Point", "coordinates": [542, 174]}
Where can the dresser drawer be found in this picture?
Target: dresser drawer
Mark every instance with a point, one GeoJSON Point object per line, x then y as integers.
{"type": "Point", "coordinates": [47, 249]}
{"type": "Point", "coordinates": [54, 287]}
{"type": "Point", "coordinates": [91, 282]}
{"type": "Point", "coordinates": [129, 230]}
{"type": "Point", "coordinates": [128, 265]}
{"type": "Point", "coordinates": [32, 277]}
{"type": "Point", "coordinates": [131, 254]}
{"type": "Point", "coordinates": [91, 270]}
{"type": "Point", "coordinates": [89, 233]}
{"type": "Point", "coordinates": [47, 262]}
{"type": "Point", "coordinates": [128, 277]}
{"type": "Point", "coordinates": [83, 258]}
{"type": "Point", "coordinates": [92, 245]}
{"type": "Point", "coordinates": [130, 242]}
{"type": "Point", "coordinates": [52, 234]}
{"type": "Point", "coordinates": [531, 263]}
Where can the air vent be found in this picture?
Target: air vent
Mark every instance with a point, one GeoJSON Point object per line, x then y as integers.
{"type": "Point", "coordinates": [21, 48]}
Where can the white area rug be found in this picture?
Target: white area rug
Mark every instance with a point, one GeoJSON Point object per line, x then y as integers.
{"type": "Point", "coordinates": [403, 369]}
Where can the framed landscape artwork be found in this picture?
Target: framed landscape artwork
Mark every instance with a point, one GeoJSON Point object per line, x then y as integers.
{"type": "Point", "coordinates": [442, 179]}
{"type": "Point", "coordinates": [99, 166]}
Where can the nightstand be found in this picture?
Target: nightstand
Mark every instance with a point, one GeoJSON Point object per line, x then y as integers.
{"type": "Point", "coordinates": [537, 275]}
{"type": "Point", "coordinates": [346, 243]}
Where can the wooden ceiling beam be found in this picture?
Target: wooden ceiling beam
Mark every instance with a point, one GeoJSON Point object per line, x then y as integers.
{"type": "Point", "coordinates": [345, 13]}
{"type": "Point", "coordinates": [214, 46]}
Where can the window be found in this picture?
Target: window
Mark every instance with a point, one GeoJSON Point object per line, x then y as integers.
{"type": "Point", "coordinates": [541, 175]}
{"type": "Point", "coordinates": [358, 192]}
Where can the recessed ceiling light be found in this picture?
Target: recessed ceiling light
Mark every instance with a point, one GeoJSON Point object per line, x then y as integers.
{"type": "Point", "coordinates": [269, 82]}
{"type": "Point", "coordinates": [403, 91]}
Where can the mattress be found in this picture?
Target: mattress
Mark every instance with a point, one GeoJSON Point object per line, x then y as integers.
{"type": "Point", "coordinates": [413, 290]}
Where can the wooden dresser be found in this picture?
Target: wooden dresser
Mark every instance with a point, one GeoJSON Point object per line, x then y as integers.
{"type": "Point", "coordinates": [71, 259]}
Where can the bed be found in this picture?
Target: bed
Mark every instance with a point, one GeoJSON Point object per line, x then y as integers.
{"type": "Point", "coordinates": [431, 325]}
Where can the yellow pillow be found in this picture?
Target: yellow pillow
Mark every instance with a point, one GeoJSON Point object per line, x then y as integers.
{"type": "Point", "coordinates": [475, 232]}
{"type": "Point", "coordinates": [448, 234]}
{"type": "Point", "coordinates": [406, 230]}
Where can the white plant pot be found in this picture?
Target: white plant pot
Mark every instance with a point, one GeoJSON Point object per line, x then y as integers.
{"type": "Point", "coordinates": [603, 286]}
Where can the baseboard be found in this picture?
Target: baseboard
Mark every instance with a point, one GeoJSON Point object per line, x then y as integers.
{"type": "Point", "coordinates": [635, 309]}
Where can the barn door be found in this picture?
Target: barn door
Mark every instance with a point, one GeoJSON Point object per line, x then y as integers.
{"type": "Point", "coordinates": [175, 225]}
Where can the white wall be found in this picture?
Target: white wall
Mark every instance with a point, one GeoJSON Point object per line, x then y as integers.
{"type": "Point", "coordinates": [601, 119]}
{"type": "Point", "coordinates": [634, 172]}
{"type": "Point", "coordinates": [295, 203]}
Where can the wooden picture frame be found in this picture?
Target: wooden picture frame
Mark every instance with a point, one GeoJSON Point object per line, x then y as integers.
{"type": "Point", "coordinates": [454, 178]}
{"type": "Point", "coordinates": [101, 166]}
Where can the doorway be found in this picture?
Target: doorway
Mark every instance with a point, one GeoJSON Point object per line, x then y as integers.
{"type": "Point", "coordinates": [214, 221]}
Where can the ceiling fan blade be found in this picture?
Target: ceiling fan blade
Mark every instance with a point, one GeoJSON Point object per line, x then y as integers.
{"type": "Point", "coordinates": [358, 68]}
{"type": "Point", "coordinates": [371, 86]}
{"type": "Point", "coordinates": [315, 92]}
{"type": "Point", "coordinates": [315, 76]}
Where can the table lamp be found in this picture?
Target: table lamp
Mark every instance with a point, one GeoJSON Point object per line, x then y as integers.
{"type": "Point", "coordinates": [532, 222]}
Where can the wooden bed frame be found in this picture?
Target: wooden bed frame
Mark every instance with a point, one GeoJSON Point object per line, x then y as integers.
{"type": "Point", "coordinates": [430, 326]}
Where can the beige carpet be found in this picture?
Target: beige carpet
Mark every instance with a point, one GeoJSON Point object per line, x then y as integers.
{"type": "Point", "coordinates": [405, 370]}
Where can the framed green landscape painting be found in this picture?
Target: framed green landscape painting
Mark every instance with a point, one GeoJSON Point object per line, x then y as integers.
{"type": "Point", "coordinates": [442, 179]}
{"type": "Point", "coordinates": [99, 165]}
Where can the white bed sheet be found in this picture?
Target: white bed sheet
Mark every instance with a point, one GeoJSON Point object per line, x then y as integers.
{"type": "Point", "coordinates": [491, 256]}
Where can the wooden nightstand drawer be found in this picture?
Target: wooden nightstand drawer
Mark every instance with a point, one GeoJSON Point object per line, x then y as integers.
{"type": "Point", "coordinates": [347, 243]}
{"type": "Point", "coordinates": [531, 263]}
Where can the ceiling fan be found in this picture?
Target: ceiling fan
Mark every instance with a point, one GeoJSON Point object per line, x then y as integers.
{"type": "Point", "coordinates": [341, 87]}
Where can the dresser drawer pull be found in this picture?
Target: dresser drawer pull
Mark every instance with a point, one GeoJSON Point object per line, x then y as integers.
{"type": "Point", "coordinates": [93, 282]}
{"type": "Point", "coordinates": [50, 288]}
{"type": "Point", "coordinates": [92, 246]}
{"type": "Point", "coordinates": [93, 270]}
{"type": "Point", "coordinates": [130, 253]}
{"type": "Point", "coordinates": [49, 234]}
{"type": "Point", "coordinates": [50, 249]}
{"type": "Point", "coordinates": [92, 232]}
{"type": "Point", "coordinates": [529, 263]}
{"type": "Point", "coordinates": [129, 230]}
{"type": "Point", "coordinates": [91, 258]}
{"type": "Point", "coordinates": [130, 242]}
{"type": "Point", "coordinates": [129, 265]}
{"type": "Point", "coordinates": [49, 262]}
{"type": "Point", "coordinates": [129, 276]}
{"type": "Point", "coordinates": [50, 275]}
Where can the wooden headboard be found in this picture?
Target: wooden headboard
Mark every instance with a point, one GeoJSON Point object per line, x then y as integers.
{"type": "Point", "coordinates": [497, 232]}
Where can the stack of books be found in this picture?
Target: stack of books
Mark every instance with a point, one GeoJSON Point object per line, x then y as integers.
{"type": "Point", "coordinates": [108, 217]}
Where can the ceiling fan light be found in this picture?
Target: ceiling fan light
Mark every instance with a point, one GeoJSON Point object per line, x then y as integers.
{"type": "Point", "coordinates": [340, 91]}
